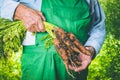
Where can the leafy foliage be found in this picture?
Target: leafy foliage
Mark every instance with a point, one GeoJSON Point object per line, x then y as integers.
{"type": "Point", "coordinates": [10, 69]}
{"type": "Point", "coordinates": [106, 65]}
{"type": "Point", "coordinates": [11, 36]}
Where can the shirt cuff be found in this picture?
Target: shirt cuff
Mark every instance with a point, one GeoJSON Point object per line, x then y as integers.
{"type": "Point", "coordinates": [94, 44]}
{"type": "Point", "coordinates": [8, 9]}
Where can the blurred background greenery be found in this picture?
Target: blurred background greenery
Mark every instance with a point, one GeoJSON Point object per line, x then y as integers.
{"type": "Point", "coordinates": [106, 66]}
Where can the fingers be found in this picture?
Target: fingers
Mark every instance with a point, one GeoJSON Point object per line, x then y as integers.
{"type": "Point", "coordinates": [85, 61]}
{"type": "Point", "coordinates": [39, 21]}
{"type": "Point", "coordinates": [30, 25]}
{"type": "Point", "coordinates": [34, 24]}
{"type": "Point", "coordinates": [40, 25]}
{"type": "Point", "coordinates": [40, 14]}
{"type": "Point", "coordinates": [32, 19]}
{"type": "Point", "coordinates": [71, 67]}
{"type": "Point", "coordinates": [82, 67]}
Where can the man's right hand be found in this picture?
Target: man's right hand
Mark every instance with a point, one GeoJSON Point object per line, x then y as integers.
{"type": "Point", "coordinates": [32, 19]}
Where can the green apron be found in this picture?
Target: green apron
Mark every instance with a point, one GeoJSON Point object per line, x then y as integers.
{"type": "Point", "coordinates": [41, 64]}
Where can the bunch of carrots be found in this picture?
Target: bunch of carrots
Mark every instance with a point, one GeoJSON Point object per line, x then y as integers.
{"type": "Point", "coordinates": [69, 48]}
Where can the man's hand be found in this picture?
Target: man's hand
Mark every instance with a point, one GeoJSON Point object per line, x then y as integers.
{"type": "Point", "coordinates": [32, 19]}
{"type": "Point", "coordinates": [85, 60]}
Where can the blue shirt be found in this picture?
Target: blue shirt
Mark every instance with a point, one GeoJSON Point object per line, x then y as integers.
{"type": "Point", "coordinates": [97, 29]}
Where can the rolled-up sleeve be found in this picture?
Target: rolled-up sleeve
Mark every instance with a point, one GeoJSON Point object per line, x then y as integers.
{"type": "Point", "coordinates": [7, 8]}
{"type": "Point", "coordinates": [97, 30]}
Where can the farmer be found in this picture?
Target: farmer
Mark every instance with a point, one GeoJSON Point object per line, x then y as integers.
{"type": "Point", "coordinates": [84, 18]}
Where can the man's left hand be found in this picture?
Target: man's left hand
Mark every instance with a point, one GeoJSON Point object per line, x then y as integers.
{"type": "Point", "coordinates": [85, 60]}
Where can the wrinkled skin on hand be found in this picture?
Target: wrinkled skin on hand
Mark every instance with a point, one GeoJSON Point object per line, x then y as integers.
{"type": "Point", "coordinates": [85, 60]}
{"type": "Point", "coordinates": [32, 19]}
